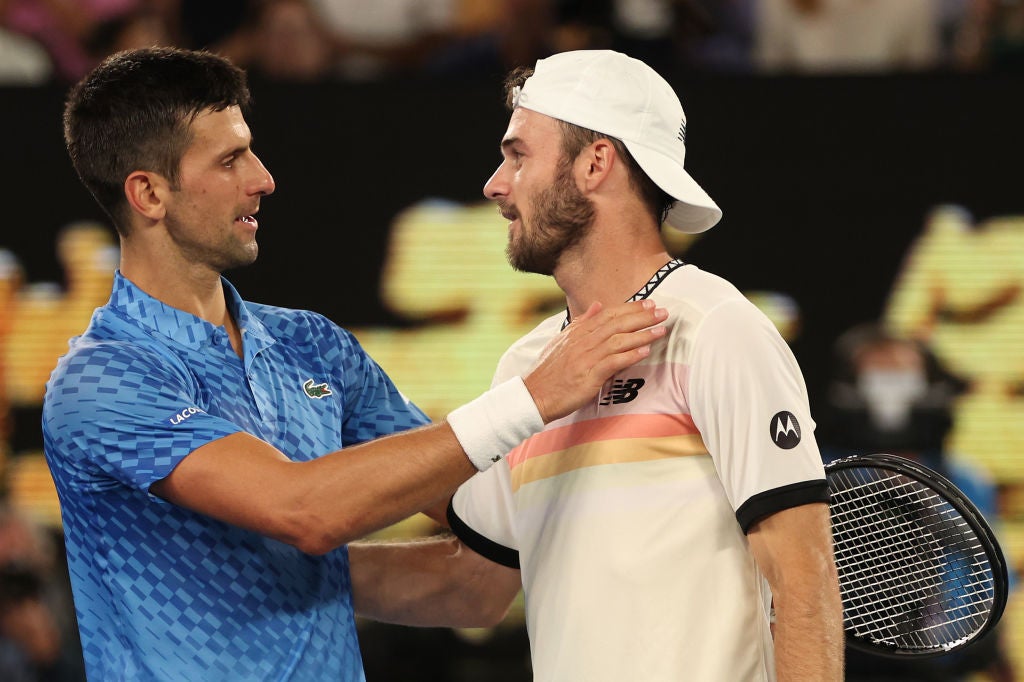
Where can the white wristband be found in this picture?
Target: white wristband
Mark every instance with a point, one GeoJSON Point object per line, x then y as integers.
{"type": "Point", "coordinates": [492, 425]}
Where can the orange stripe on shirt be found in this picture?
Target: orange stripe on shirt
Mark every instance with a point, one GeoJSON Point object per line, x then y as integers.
{"type": "Point", "coordinates": [604, 428]}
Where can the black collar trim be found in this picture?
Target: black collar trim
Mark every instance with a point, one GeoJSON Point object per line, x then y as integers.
{"type": "Point", "coordinates": [647, 289]}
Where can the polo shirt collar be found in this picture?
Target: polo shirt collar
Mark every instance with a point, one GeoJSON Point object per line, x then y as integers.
{"type": "Point", "coordinates": [185, 328]}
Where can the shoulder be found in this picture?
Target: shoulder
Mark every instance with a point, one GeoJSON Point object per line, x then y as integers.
{"type": "Point", "coordinates": [702, 302]}
{"type": "Point", "coordinates": [712, 324]}
{"type": "Point", "coordinates": [278, 316]}
{"type": "Point", "coordinates": [97, 366]}
{"type": "Point", "coordinates": [120, 353]}
{"type": "Point", "coordinates": [698, 289]}
{"type": "Point", "coordinates": [297, 325]}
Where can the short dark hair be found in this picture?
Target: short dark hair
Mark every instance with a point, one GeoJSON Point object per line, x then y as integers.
{"type": "Point", "coordinates": [134, 112]}
{"type": "Point", "coordinates": [575, 138]}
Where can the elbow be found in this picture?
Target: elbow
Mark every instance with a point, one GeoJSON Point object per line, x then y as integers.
{"type": "Point", "coordinates": [308, 540]}
{"type": "Point", "coordinates": [483, 592]}
{"type": "Point", "coordinates": [484, 613]}
{"type": "Point", "coordinates": [311, 533]}
{"type": "Point", "coordinates": [493, 616]}
{"type": "Point", "coordinates": [475, 615]}
{"type": "Point", "coordinates": [485, 604]}
{"type": "Point", "coordinates": [314, 545]}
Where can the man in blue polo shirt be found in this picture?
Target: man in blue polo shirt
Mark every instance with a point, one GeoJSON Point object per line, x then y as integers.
{"type": "Point", "coordinates": [212, 455]}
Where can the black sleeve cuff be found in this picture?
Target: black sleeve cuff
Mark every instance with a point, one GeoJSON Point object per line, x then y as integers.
{"type": "Point", "coordinates": [483, 546]}
{"type": "Point", "coordinates": [771, 501]}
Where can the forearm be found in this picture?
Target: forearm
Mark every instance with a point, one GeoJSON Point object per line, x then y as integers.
{"type": "Point", "coordinates": [433, 581]}
{"type": "Point", "coordinates": [321, 504]}
{"type": "Point", "coordinates": [358, 490]}
{"type": "Point", "coordinates": [808, 635]}
{"type": "Point", "coordinates": [369, 486]}
{"type": "Point", "coordinates": [325, 502]}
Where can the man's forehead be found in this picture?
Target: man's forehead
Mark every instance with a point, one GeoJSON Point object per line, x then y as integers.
{"type": "Point", "coordinates": [218, 132]}
{"type": "Point", "coordinates": [526, 125]}
{"type": "Point", "coordinates": [223, 120]}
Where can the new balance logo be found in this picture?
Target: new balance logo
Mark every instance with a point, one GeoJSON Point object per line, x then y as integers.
{"type": "Point", "coordinates": [316, 390]}
{"type": "Point", "coordinates": [682, 132]}
{"type": "Point", "coordinates": [785, 430]}
{"type": "Point", "coordinates": [623, 391]}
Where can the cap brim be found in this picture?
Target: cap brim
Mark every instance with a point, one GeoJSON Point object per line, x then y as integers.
{"type": "Point", "coordinates": [694, 211]}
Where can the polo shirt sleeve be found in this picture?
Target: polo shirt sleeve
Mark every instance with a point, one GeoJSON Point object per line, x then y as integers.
{"type": "Point", "coordinates": [115, 411]}
{"type": "Point", "coordinates": [373, 405]}
{"type": "Point", "coordinates": [748, 399]}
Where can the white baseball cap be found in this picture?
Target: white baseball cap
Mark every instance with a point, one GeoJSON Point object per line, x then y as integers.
{"type": "Point", "coordinates": [622, 97]}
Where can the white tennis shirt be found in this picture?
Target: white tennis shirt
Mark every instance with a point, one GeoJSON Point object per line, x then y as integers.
{"type": "Point", "coordinates": [628, 517]}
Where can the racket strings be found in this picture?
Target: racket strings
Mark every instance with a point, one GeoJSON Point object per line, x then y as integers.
{"type": "Point", "coordinates": [913, 573]}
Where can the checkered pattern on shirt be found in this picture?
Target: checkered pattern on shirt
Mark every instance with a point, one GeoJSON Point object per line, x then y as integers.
{"type": "Point", "coordinates": [164, 593]}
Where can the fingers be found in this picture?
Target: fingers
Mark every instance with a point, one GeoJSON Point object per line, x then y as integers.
{"type": "Point", "coordinates": [621, 337]}
{"type": "Point", "coordinates": [595, 346]}
{"type": "Point", "coordinates": [623, 325]}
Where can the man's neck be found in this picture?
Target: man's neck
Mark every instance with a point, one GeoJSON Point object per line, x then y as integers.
{"type": "Point", "coordinates": [608, 269]}
{"type": "Point", "coordinates": [192, 290]}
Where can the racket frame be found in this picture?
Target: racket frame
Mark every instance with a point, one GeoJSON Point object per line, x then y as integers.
{"type": "Point", "coordinates": [949, 493]}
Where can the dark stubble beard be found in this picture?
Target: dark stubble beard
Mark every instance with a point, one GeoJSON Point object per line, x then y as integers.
{"type": "Point", "coordinates": [228, 254]}
{"type": "Point", "coordinates": [562, 217]}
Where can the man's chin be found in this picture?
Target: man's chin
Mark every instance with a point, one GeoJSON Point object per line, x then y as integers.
{"type": "Point", "coordinates": [241, 260]}
{"type": "Point", "coordinates": [535, 266]}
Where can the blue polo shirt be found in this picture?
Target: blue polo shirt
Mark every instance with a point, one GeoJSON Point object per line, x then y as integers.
{"type": "Point", "coordinates": [163, 593]}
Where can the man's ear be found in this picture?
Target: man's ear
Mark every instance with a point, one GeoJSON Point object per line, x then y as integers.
{"type": "Point", "coordinates": [598, 159]}
{"type": "Point", "coordinates": [146, 192]}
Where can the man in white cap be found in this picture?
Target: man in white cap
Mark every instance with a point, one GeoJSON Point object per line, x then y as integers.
{"type": "Point", "coordinates": [659, 530]}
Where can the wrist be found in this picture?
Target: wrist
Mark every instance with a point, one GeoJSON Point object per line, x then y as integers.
{"type": "Point", "coordinates": [489, 427]}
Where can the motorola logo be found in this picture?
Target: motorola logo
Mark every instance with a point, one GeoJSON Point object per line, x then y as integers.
{"type": "Point", "coordinates": [785, 430]}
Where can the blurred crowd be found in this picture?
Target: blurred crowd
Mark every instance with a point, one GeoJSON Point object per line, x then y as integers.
{"type": "Point", "coordinates": [38, 632]}
{"type": "Point", "coordinates": [315, 40]}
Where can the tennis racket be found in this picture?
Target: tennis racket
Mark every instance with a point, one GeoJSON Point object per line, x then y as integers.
{"type": "Point", "coordinates": [920, 571]}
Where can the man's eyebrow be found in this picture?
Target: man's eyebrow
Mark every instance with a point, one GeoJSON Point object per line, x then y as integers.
{"type": "Point", "coordinates": [246, 144]}
{"type": "Point", "coordinates": [239, 148]}
{"type": "Point", "coordinates": [510, 142]}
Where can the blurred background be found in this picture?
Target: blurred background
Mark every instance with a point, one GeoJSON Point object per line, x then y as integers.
{"type": "Point", "coordinates": [867, 155]}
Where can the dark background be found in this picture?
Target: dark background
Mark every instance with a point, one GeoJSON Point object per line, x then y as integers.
{"type": "Point", "coordinates": [824, 182]}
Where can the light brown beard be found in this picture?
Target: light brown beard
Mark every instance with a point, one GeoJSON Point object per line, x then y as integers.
{"type": "Point", "coordinates": [562, 217]}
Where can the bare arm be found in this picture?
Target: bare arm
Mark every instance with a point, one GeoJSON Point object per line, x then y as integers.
{"type": "Point", "coordinates": [793, 548]}
{"type": "Point", "coordinates": [324, 503]}
{"type": "Point", "coordinates": [434, 582]}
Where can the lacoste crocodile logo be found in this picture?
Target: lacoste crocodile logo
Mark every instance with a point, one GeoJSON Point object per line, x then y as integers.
{"type": "Point", "coordinates": [317, 391]}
